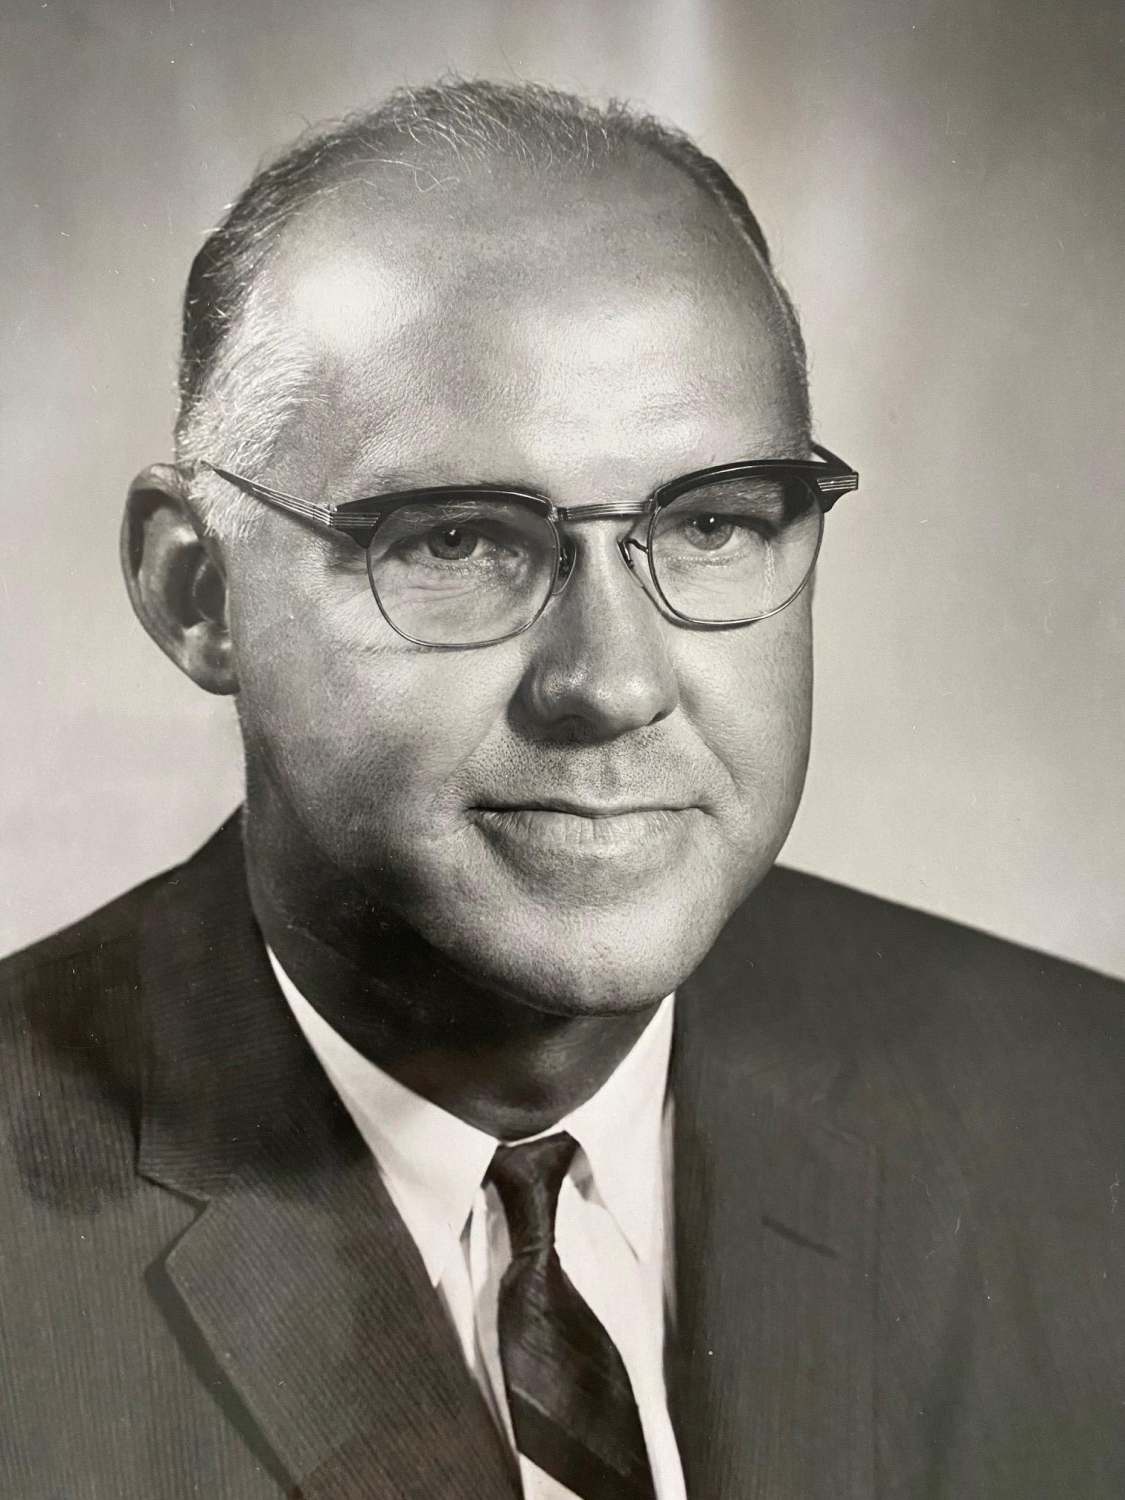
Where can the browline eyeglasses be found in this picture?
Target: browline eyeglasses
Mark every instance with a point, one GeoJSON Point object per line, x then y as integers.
{"type": "Point", "coordinates": [455, 567]}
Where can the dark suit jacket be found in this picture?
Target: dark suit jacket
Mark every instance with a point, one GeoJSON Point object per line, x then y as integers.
{"type": "Point", "coordinates": [899, 1231]}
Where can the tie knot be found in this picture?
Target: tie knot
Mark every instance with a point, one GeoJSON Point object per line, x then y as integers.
{"type": "Point", "coordinates": [528, 1178]}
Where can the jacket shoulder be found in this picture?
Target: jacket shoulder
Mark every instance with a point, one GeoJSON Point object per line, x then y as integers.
{"type": "Point", "coordinates": [79, 940]}
{"type": "Point", "coordinates": [89, 955]}
{"type": "Point", "coordinates": [72, 1049]}
{"type": "Point", "coordinates": [875, 952]}
{"type": "Point", "coordinates": [938, 1033]}
{"type": "Point", "coordinates": [77, 973]}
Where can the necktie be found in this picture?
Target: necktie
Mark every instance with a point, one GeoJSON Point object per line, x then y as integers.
{"type": "Point", "coordinates": [571, 1403]}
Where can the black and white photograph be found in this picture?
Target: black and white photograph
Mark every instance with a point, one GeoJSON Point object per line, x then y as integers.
{"type": "Point", "coordinates": [562, 895]}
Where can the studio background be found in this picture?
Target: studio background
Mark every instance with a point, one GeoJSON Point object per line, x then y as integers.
{"type": "Point", "coordinates": [942, 187]}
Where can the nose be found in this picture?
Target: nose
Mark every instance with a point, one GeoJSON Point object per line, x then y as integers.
{"type": "Point", "coordinates": [600, 665]}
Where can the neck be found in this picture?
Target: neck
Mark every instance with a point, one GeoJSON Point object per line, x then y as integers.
{"type": "Point", "coordinates": [493, 1060]}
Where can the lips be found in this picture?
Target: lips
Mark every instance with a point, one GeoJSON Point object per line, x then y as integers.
{"type": "Point", "coordinates": [581, 808]}
{"type": "Point", "coordinates": [618, 843]}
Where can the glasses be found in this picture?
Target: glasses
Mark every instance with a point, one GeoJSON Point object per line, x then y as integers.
{"type": "Point", "coordinates": [463, 566]}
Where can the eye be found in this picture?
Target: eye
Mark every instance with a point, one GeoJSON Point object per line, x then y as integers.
{"type": "Point", "coordinates": [452, 543]}
{"type": "Point", "coordinates": [708, 532]}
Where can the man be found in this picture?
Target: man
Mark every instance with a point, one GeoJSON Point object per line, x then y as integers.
{"type": "Point", "coordinates": [477, 1114]}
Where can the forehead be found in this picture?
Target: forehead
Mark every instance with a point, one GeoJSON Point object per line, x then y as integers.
{"type": "Point", "coordinates": [502, 317]}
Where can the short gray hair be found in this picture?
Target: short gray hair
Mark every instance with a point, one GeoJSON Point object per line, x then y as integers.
{"type": "Point", "coordinates": [257, 374]}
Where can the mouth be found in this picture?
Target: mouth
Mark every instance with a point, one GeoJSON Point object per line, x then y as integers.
{"type": "Point", "coordinates": [592, 811]}
{"type": "Point", "coordinates": [595, 833]}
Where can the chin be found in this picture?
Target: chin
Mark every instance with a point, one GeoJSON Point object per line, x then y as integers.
{"type": "Point", "coordinates": [588, 953]}
{"type": "Point", "coordinates": [595, 979]}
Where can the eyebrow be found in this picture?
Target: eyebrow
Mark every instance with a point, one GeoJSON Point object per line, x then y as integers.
{"type": "Point", "coordinates": [379, 482]}
{"type": "Point", "coordinates": [391, 481]}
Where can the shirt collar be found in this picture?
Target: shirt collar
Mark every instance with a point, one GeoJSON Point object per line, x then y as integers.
{"type": "Point", "coordinates": [620, 1130]}
{"type": "Point", "coordinates": [433, 1162]}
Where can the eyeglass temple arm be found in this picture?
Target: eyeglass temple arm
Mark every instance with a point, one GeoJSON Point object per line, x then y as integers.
{"type": "Point", "coordinates": [838, 479]}
{"type": "Point", "coordinates": [309, 509]}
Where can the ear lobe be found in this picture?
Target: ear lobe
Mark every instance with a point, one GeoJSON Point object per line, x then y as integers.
{"type": "Point", "coordinates": [175, 579]}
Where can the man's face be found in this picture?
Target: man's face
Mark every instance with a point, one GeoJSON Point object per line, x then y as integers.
{"type": "Point", "coordinates": [569, 816]}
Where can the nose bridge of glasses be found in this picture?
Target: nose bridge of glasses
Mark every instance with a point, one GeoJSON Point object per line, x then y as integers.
{"type": "Point", "coordinates": [570, 515]}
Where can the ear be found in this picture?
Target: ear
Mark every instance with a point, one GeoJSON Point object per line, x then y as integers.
{"type": "Point", "coordinates": [175, 579]}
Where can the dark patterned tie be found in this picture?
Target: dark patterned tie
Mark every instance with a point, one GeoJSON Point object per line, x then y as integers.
{"type": "Point", "coordinates": [569, 1395]}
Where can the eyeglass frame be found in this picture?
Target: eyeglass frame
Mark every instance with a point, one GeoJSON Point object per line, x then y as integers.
{"type": "Point", "coordinates": [360, 519]}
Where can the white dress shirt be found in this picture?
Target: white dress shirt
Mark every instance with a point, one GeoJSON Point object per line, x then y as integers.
{"type": "Point", "coordinates": [613, 1232]}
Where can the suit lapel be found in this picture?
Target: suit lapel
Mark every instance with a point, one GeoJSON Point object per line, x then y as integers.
{"type": "Point", "coordinates": [306, 1288]}
{"type": "Point", "coordinates": [775, 1230]}
{"type": "Point", "coordinates": [319, 1311]}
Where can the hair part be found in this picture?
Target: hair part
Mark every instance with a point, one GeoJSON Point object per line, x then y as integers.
{"type": "Point", "coordinates": [241, 381]}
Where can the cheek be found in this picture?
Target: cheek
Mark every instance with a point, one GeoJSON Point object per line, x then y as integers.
{"type": "Point", "coordinates": [750, 699]}
{"type": "Point", "coordinates": [356, 729]}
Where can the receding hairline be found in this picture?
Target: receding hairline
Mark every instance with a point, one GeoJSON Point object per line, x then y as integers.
{"type": "Point", "coordinates": [234, 355]}
{"type": "Point", "coordinates": [507, 221]}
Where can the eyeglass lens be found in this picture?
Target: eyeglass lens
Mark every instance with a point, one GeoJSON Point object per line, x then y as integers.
{"type": "Point", "coordinates": [471, 570]}
{"type": "Point", "coordinates": [736, 548]}
{"type": "Point", "coordinates": [463, 571]}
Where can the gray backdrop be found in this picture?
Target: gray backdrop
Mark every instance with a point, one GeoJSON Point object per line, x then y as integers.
{"type": "Point", "coordinates": [943, 187]}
